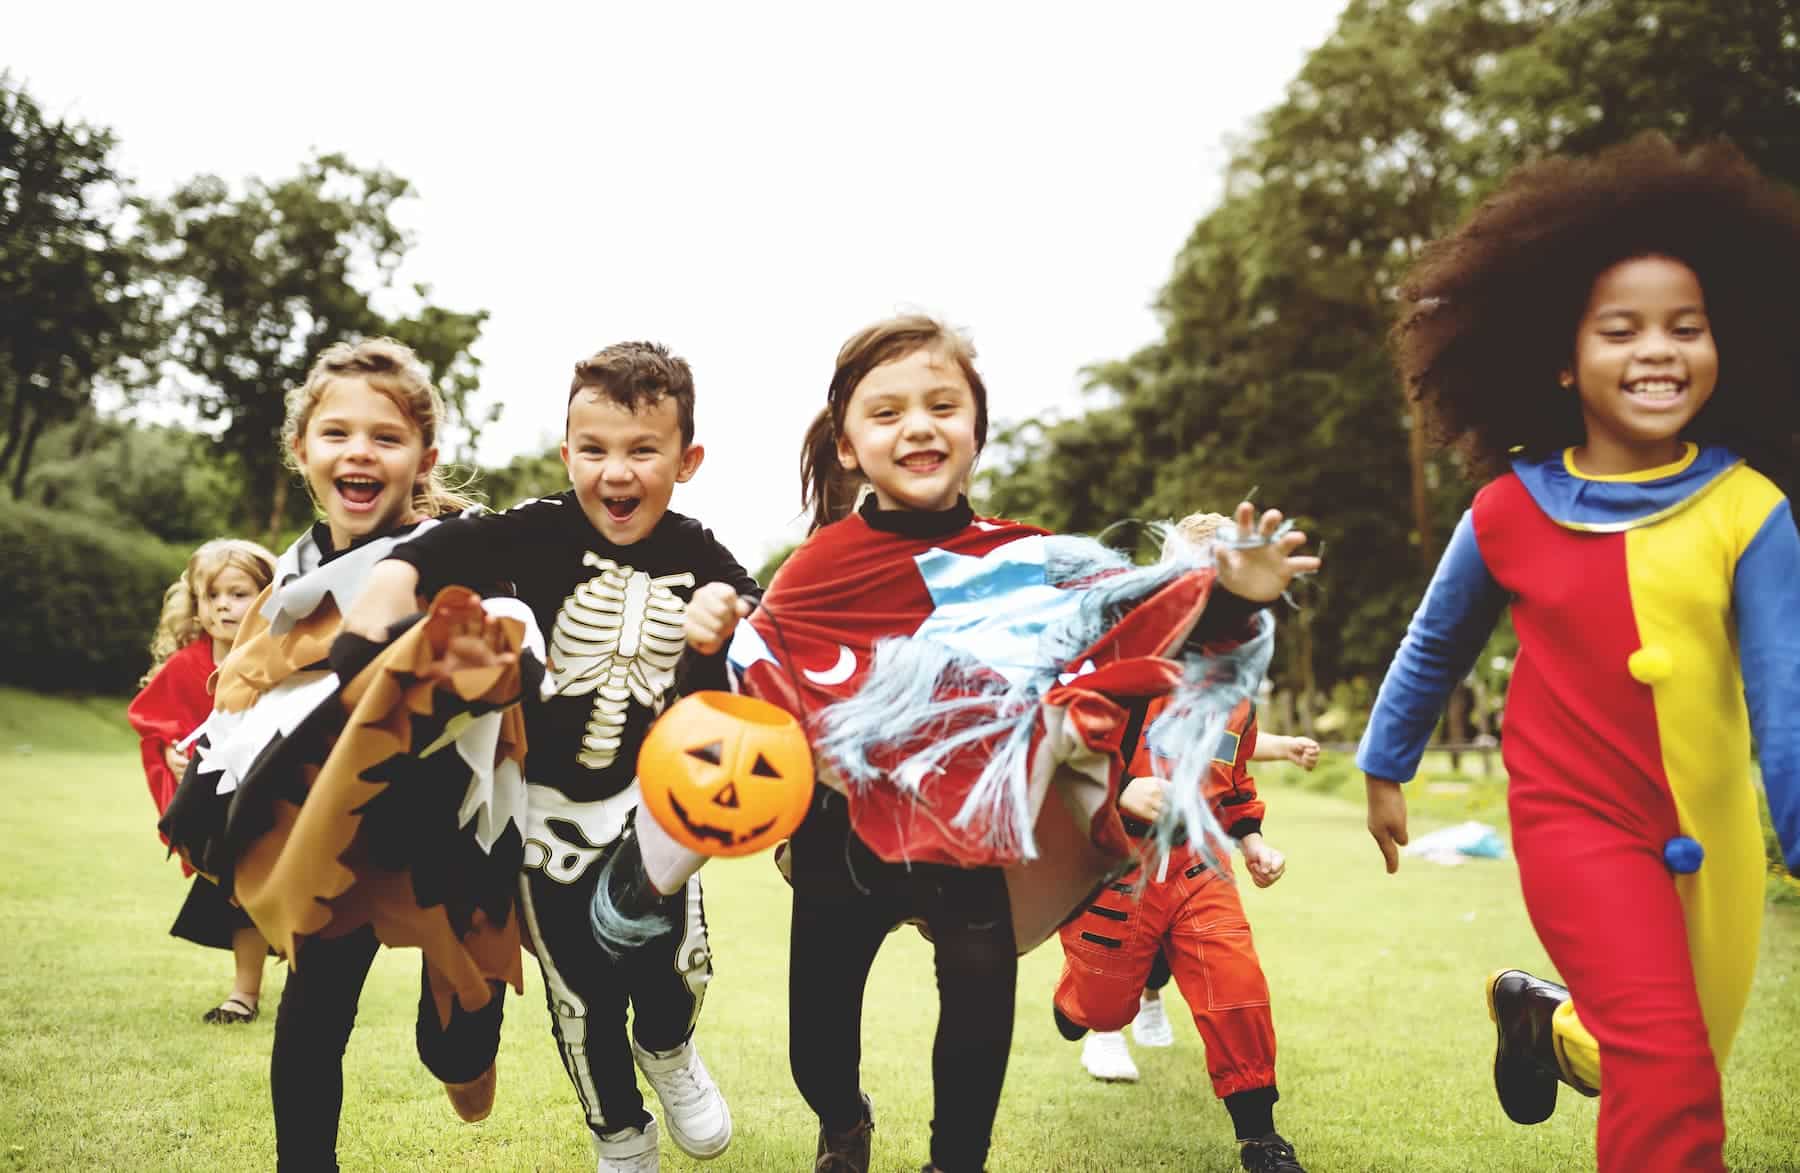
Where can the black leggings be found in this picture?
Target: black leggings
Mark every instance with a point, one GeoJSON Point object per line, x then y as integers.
{"type": "Point", "coordinates": [312, 1028]}
{"type": "Point", "coordinates": [845, 902]}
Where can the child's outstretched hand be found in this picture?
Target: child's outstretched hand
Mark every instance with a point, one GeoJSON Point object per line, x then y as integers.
{"type": "Point", "coordinates": [712, 615]}
{"type": "Point", "coordinates": [1264, 863]}
{"type": "Point", "coordinates": [473, 640]}
{"type": "Point", "coordinates": [1302, 751]}
{"type": "Point", "coordinates": [1387, 818]}
{"type": "Point", "coordinates": [1262, 573]}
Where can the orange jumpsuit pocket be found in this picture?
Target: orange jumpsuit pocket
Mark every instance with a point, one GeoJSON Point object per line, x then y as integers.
{"type": "Point", "coordinates": [1227, 966]}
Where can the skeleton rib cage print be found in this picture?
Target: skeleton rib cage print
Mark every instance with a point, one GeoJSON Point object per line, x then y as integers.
{"type": "Point", "coordinates": [618, 636]}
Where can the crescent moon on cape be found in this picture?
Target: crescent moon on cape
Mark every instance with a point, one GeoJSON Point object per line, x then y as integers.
{"type": "Point", "coordinates": [839, 672]}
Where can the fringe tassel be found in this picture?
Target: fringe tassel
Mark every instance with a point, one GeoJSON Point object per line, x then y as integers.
{"type": "Point", "coordinates": [948, 701]}
{"type": "Point", "coordinates": [625, 912]}
{"type": "Point", "coordinates": [1187, 733]}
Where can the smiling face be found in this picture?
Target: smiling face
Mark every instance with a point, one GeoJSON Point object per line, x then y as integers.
{"type": "Point", "coordinates": [363, 458]}
{"type": "Point", "coordinates": [223, 602]}
{"type": "Point", "coordinates": [910, 428]}
{"type": "Point", "coordinates": [1645, 364]}
{"type": "Point", "coordinates": [625, 464]}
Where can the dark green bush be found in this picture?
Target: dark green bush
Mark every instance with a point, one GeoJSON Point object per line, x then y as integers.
{"type": "Point", "coordinates": [78, 600]}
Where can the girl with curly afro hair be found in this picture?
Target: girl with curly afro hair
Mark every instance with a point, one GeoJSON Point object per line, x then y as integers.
{"type": "Point", "coordinates": [1616, 340]}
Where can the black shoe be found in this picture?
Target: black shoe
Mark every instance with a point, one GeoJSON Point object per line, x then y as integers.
{"type": "Point", "coordinates": [848, 1151]}
{"type": "Point", "coordinates": [1269, 1154]}
{"type": "Point", "coordinates": [1525, 1068]}
{"type": "Point", "coordinates": [1067, 1027]}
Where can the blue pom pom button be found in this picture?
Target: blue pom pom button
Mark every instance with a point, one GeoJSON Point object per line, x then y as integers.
{"type": "Point", "coordinates": [1683, 855]}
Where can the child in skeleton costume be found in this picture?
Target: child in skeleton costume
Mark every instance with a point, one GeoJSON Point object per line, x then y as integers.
{"type": "Point", "coordinates": [345, 803]}
{"type": "Point", "coordinates": [1614, 340]}
{"type": "Point", "coordinates": [955, 672]}
{"type": "Point", "coordinates": [201, 613]}
{"type": "Point", "coordinates": [1186, 908]}
{"type": "Point", "coordinates": [608, 572]}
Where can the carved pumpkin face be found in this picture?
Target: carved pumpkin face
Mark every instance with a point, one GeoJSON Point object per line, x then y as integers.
{"type": "Point", "coordinates": [726, 774]}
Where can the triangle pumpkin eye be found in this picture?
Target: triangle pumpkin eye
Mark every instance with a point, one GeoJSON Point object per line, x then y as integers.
{"type": "Point", "coordinates": [762, 768]}
{"type": "Point", "coordinates": [712, 751]}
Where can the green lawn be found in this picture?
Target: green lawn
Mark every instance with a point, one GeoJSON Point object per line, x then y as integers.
{"type": "Point", "coordinates": [1384, 1040]}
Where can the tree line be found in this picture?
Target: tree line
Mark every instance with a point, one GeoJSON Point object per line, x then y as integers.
{"type": "Point", "coordinates": [215, 297]}
{"type": "Point", "coordinates": [1272, 370]}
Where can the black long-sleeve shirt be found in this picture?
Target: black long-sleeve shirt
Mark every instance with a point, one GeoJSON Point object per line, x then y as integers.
{"type": "Point", "coordinates": [611, 617]}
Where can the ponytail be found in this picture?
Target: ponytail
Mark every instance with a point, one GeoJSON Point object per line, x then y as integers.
{"type": "Point", "coordinates": [826, 487]}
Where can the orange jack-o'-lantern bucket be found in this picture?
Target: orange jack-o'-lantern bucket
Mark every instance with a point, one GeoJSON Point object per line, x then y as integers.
{"type": "Point", "coordinates": [726, 774]}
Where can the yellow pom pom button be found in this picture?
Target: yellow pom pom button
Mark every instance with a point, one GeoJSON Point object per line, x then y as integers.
{"type": "Point", "coordinates": [1650, 665]}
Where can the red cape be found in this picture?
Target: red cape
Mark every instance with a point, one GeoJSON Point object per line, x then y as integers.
{"type": "Point", "coordinates": [169, 708]}
{"type": "Point", "coordinates": [850, 585]}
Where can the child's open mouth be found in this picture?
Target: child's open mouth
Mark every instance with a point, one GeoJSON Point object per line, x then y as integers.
{"type": "Point", "coordinates": [358, 492]}
{"type": "Point", "coordinates": [922, 461]}
{"type": "Point", "coordinates": [621, 508]}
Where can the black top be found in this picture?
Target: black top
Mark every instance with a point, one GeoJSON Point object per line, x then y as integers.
{"type": "Point", "coordinates": [917, 523]}
{"type": "Point", "coordinates": [610, 615]}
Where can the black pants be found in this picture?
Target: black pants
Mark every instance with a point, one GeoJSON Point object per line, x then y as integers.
{"type": "Point", "coordinates": [845, 901]}
{"type": "Point", "coordinates": [312, 1027]}
{"type": "Point", "coordinates": [663, 983]}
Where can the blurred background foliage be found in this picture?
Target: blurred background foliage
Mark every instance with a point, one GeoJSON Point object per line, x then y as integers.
{"type": "Point", "coordinates": [1271, 372]}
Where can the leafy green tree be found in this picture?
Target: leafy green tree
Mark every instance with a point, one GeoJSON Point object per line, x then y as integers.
{"type": "Point", "coordinates": [523, 478]}
{"type": "Point", "coordinates": [1603, 70]}
{"type": "Point", "coordinates": [260, 281]}
{"type": "Point", "coordinates": [1272, 370]}
{"type": "Point", "coordinates": [72, 309]}
{"type": "Point", "coordinates": [170, 483]}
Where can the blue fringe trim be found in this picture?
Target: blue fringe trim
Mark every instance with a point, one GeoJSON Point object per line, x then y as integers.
{"type": "Point", "coordinates": [920, 693]}
{"type": "Point", "coordinates": [619, 930]}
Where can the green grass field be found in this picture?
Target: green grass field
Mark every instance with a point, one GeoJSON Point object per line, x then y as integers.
{"type": "Point", "coordinates": [1377, 981]}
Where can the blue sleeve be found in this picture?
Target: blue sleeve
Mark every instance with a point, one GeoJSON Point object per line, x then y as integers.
{"type": "Point", "coordinates": [1453, 622]}
{"type": "Point", "coordinates": [1764, 596]}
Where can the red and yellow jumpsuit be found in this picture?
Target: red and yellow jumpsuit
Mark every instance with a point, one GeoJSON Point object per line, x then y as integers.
{"type": "Point", "coordinates": [1656, 629]}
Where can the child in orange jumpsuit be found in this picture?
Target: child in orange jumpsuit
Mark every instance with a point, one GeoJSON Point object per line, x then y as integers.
{"type": "Point", "coordinates": [1190, 913]}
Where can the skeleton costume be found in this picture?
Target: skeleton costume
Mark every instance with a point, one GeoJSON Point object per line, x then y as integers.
{"type": "Point", "coordinates": [613, 619]}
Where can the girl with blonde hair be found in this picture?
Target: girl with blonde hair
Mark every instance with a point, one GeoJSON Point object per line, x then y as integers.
{"type": "Point", "coordinates": [201, 613]}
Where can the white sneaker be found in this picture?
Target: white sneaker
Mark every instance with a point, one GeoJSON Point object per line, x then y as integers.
{"type": "Point", "coordinates": [695, 1112]}
{"type": "Point", "coordinates": [1104, 1055]}
{"type": "Point", "coordinates": [1151, 1026]}
{"type": "Point", "coordinates": [629, 1150]}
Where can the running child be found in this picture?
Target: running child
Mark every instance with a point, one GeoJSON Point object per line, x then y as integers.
{"type": "Point", "coordinates": [201, 613]}
{"type": "Point", "coordinates": [607, 570]}
{"type": "Point", "coordinates": [1009, 646]}
{"type": "Point", "coordinates": [325, 829]}
{"type": "Point", "coordinates": [1184, 912]}
{"type": "Point", "coordinates": [1614, 340]}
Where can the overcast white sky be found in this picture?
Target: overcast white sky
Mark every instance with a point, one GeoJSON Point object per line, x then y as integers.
{"type": "Point", "coordinates": [748, 183]}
